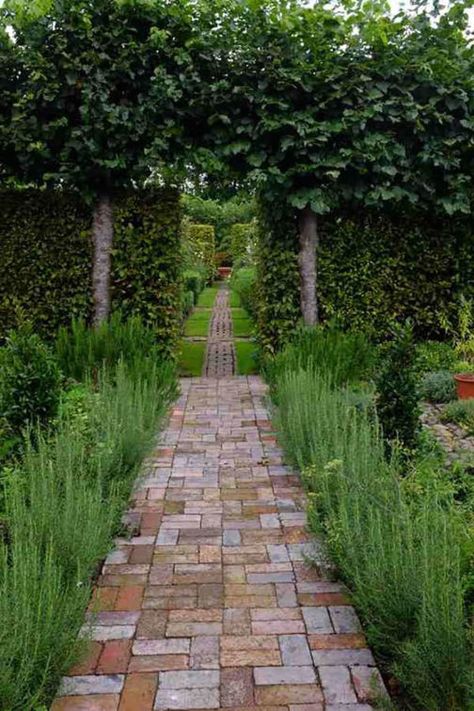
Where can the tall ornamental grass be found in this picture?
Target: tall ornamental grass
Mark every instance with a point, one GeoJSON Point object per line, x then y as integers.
{"type": "Point", "coordinates": [82, 350]}
{"type": "Point", "coordinates": [400, 555]}
{"type": "Point", "coordinates": [63, 507]}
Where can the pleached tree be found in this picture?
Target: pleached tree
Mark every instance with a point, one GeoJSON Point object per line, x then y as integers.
{"type": "Point", "coordinates": [101, 94]}
{"type": "Point", "coordinates": [337, 109]}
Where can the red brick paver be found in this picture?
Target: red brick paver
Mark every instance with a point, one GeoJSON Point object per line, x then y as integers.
{"type": "Point", "coordinates": [212, 605]}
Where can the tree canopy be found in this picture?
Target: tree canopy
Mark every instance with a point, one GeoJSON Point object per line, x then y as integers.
{"type": "Point", "coordinates": [331, 107]}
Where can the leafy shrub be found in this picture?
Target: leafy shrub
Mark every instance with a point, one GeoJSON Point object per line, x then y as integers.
{"type": "Point", "coordinates": [400, 557]}
{"type": "Point", "coordinates": [397, 400]}
{"type": "Point", "coordinates": [188, 303]}
{"type": "Point", "coordinates": [435, 355]}
{"type": "Point", "coordinates": [438, 386]}
{"type": "Point", "coordinates": [30, 380]}
{"type": "Point", "coordinates": [194, 280]}
{"type": "Point", "coordinates": [344, 357]}
{"type": "Point", "coordinates": [460, 412]}
{"type": "Point", "coordinates": [63, 507]}
{"type": "Point", "coordinates": [243, 282]}
{"type": "Point", "coordinates": [81, 350]}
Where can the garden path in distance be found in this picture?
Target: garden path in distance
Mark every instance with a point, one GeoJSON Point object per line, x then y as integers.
{"type": "Point", "coordinates": [212, 604]}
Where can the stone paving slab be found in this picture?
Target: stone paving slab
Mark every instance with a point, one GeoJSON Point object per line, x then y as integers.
{"type": "Point", "coordinates": [212, 605]}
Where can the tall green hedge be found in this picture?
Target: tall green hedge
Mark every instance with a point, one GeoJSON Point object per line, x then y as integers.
{"type": "Point", "coordinates": [46, 259]}
{"type": "Point", "coordinates": [278, 304]}
{"type": "Point", "coordinates": [373, 269]}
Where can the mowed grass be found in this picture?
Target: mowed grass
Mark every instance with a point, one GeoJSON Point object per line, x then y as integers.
{"type": "Point", "coordinates": [241, 323]}
{"type": "Point", "coordinates": [207, 297]}
{"type": "Point", "coordinates": [246, 358]}
{"type": "Point", "coordinates": [191, 358]}
{"type": "Point", "coordinates": [198, 323]}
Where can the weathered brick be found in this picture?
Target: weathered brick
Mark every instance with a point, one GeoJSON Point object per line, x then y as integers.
{"type": "Point", "coordinates": [115, 657]}
{"type": "Point", "coordinates": [88, 660]}
{"type": "Point", "coordinates": [339, 657]}
{"type": "Point", "coordinates": [162, 646]}
{"type": "Point", "coordinates": [84, 685]}
{"type": "Point", "coordinates": [368, 683]}
{"type": "Point", "coordinates": [236, 687]}
{"type": "Point", "coordinates": [295, 650]}
{"type": "Point", "coordinates": [159, 663]}
{"type": "Point", "coordinates": [204, 653]}
{"type": "Point", "coordinates": [99, 702]}
{"type": "Point", "coordinates": [189, 679]}
{"type": "Point", "coordinates": [187, 699]}
{"type": "Point", "coordinates": [129, 598]}
{"type": "Point", "coordinates": [337, 641]}
{"type": "Point", "coordinates": [273, 676]}
{"type": "Point", "coordinates": [317, 619]}
{"type": "Point", "coordinates": [337, 686]}
{"type": "Point", "coordinates": [139, 692]}
{"type": "Point", "coordinates": [250, 657]}
{"type": "Point", "coordinates": [152, 624]}
{"type": "Point", "coordinates": [344, 619]}
{"type": "Point", "coordinates": [288, 694]}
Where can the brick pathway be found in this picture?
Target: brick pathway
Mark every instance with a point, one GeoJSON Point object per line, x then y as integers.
{"type": "Point", "coordinates": [211, 605]}
{"type": "Point", "coordinates": [220, 355]}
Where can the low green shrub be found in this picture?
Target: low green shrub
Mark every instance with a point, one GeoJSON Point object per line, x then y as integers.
{"type": "Point", "coordinates": [81, 350]}
{"type": "Point", "coordinates": [63, 506]}
{"type": "Point", "coordinates": [438, 386]}
{"type": "Point", "coordinates": [435, 355]}
{"type": "Point", "coordinates": [397, 390]}
{"type": "Point", "coordinates": [188, 303]}
{"type": "Point", "coordinates": [461, 412]}
{"type": "Point", "coordinates": [401, 556]}
{"type": "Point", "coordinates": [30, 381]}
{"type": "Point", "coordinates": [194, 280]}
{"type": "Point", "coordinates": [345, 357]}
{"type": "Point", "coordinates": [244, 282]}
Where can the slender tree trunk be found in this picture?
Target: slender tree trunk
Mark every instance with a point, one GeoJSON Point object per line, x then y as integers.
{"type": "Point", "coordinates": [102, 238]}
{"type": "Point", "coordinates": [308, 233]}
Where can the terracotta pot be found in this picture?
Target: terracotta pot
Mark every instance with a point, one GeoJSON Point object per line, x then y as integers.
{"type": "Point", "coordinates": [465, 385]}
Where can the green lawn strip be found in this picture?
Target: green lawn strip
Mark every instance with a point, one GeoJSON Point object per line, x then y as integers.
{"type": "Point", "coordinates": [207, 297]}
{"type": "Point", "coordinates": [246, 361]}
{"type": "Point", "coordinates": [191, 357]}
{"type": "Point", "coordinates": [198, 323]}
{"type": "Point", "coordinates": [242, 327]}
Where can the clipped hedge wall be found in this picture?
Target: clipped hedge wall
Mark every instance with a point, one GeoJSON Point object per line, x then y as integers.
{"type": "Point", "coordinates": [278, 304]}
{"type": "Point", "coordinates": [46, 259]}
{"type": "Point", "coordinates": [372, 270]}
{"type": "Point", "coordinates": [201, 246]}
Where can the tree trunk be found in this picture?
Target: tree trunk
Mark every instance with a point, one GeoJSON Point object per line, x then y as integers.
{"type": "Point", "coordinates": [102, 238]}
{"type": "Point", "coordinates": [308, 233]}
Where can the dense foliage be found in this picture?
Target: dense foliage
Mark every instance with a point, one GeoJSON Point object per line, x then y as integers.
{"type": "Point", "coordinates": [397, 388]}
{"type": "Point", "coordinates": [30, 382]}
{"type": "Point", "coordinates": [46, 260]}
